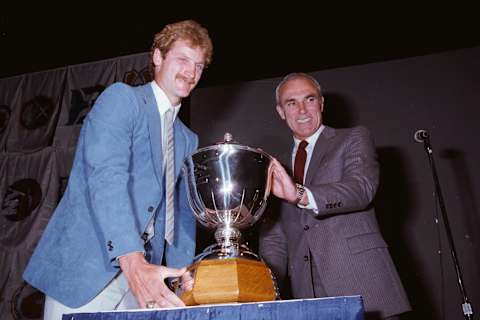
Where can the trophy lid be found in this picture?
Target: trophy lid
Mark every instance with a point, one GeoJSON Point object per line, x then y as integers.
{"type": "Point", "coordinates": [229, 142]}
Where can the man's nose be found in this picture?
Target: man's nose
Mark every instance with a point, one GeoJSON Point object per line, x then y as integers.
{"type": "Point", "coordinates": [190, 71]}
{"type": "Point", "coordinates": [301, 107]}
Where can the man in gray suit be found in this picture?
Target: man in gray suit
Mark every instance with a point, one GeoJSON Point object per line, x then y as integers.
{"type": "Point", "coordinates": [93, 254]}
{"type": "Point", "coordinates": [326, 237]}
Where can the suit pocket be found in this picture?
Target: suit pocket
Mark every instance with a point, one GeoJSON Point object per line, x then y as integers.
{"type": "Point", "coordinates": [367, 241]}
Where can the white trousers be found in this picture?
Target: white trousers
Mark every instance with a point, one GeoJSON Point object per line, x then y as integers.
{"type": "Point", "coordinates": [115, 296]}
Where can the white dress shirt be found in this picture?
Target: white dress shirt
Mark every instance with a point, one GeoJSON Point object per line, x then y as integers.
{"type": "Point", "coordinates": [163, 105]}
{"type": "Point", "coordinates": [312, 204]}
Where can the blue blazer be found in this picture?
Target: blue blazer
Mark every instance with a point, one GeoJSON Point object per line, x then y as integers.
{"type": "Point", "coordinates": [115, 187]}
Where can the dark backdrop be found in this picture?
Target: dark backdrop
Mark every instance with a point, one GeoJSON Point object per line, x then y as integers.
{"type": "Point", "coordinates": [439, 93]}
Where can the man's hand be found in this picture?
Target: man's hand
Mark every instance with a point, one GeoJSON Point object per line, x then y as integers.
{"type": "Point", "coordinates": [282, 184]}
{"type": "Point", "coordinates": [147, 281]}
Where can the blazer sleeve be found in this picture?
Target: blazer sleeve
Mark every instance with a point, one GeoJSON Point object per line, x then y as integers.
{"type": "Point", "coordinates": [108, 134]}
{"type": "Point", "coordinates": [352, 182]}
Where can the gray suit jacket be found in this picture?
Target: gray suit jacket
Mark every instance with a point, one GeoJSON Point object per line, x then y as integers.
{"type": "Point", "coordinates": [115, 187]}
{"type": "Point", "coordinates": [344, 238]}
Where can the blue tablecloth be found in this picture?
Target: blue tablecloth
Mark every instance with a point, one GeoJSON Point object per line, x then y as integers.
{"type": "Point", "coordinates": [335, 308]}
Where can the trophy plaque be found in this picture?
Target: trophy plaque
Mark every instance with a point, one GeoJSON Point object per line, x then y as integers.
{"type": "Point", "coordinates": [228, 185]}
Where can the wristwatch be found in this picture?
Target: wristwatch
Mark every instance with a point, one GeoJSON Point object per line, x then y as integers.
{"type": "Point", "coordinates": [300, 192]}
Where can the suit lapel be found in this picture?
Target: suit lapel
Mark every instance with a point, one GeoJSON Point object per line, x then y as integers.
{"type": "Point", "coordinates": [319, 151]}
{"type": "Point", "coordinates": [155, 132]}
{"type": "Point", "coordinates": [286, 160]}
{"type": "Point", "coordinates": [155, 129]}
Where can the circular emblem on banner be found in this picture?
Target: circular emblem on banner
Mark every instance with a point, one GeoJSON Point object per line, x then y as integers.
{"type": "Point", "coordinates": [27, 303]}
{"type": "Point", "coordinates": [21, 198]}
{"type": "Point", "coordinates": [4, 117]}
{"type": "Point", "coordinates": [130, 77]}
{"type": "Point", "coordinates": [135, 78]}
{"type": "Point", "coordinates": [37, 112]}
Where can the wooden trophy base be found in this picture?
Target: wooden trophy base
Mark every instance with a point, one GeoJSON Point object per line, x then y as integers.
{"type": "Point", "coordinates": [230, 280]}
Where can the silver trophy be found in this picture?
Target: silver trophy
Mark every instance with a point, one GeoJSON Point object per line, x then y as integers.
{"type": "Point", "coordinates": [228, 186]}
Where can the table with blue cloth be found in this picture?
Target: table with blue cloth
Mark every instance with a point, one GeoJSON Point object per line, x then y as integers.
{"type": "Point", "coordinates": [333, 308]}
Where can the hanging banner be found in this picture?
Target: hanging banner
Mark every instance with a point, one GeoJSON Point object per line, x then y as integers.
{"type": "Point", "coordinates": [134, 69]}
{"type": "Point", "coordinates": [35, 112]}
{"type": "Point", "coordinates": [29, 192]}
{"type": "Point", "coordinates": [9, 97]}
{"type": "Point", "coordinates": [85, 82]}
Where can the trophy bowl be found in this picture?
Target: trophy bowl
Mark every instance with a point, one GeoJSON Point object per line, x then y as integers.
{"type": "Point", "coordinates": [228, 185]}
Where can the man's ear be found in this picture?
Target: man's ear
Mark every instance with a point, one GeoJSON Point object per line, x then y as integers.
{"type": "Point", "coordinates": [157, 58]}
{"type": "Point", "coordinates": [321, 104]}
{"type": "Point", "coordinates": [281, 112]}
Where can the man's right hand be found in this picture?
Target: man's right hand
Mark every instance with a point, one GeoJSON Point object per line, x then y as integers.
{"type": "Point", "coordinates": [282, 184]}
{"type": "Point", "coordinates": [147, 281]}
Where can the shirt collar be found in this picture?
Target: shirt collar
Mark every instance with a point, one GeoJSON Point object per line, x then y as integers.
{"type": "Point", "coordinates": [163, 103]}
{"type": "Point", "coordinates": [312, 139]}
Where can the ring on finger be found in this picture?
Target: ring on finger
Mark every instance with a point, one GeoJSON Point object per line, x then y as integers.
{"type": "Point", "coordinates": [151, 304]}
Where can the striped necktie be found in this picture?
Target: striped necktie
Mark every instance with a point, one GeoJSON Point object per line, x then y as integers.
{"type": "Point", "coordinates": [169, 177]}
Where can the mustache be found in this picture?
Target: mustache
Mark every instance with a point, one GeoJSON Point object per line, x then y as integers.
{"type": "Point", "coordinates": [189, 80]}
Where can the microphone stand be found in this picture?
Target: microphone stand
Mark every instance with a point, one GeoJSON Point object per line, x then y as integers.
{"type": "Point", "coordinates": [466, 306]}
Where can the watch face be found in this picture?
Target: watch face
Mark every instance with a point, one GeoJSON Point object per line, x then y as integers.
{"type": "Point", "coordinates": [300, 192]}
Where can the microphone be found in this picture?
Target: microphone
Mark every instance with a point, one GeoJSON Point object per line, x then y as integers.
{"type": "Point", "coordinates": [420, 135]}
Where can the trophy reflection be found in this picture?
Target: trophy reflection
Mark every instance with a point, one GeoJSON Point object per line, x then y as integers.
{"type": "Point", "coordinates": [228, 186]}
